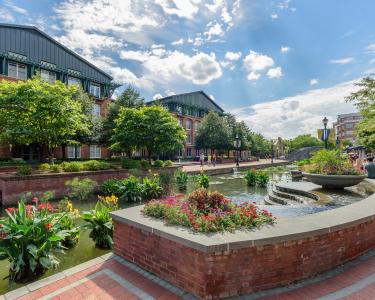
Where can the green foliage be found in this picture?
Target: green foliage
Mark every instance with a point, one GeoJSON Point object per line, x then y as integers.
{"type": "Point", "coordinates": [158, 164]}
{"type": "Point", "coordinates": [330, 162]}
{"type": "Point", "coordinates": [131, 190]}
{"type": "Point", "coordinates": [24, 170]}
{"type": "Point", "coordinates": [302, 162]}
{"type": "Point", "coordinates": [111, 187]}
{"type": "Point", "coordinates": [168, 163]}
{"type": "Point", "coordinates": [151, 127]}
{"type": "Point", "coordinates": [166, 180]}
{"type": "Point", "coordinates": [94, 165]}
{"type": "Point", "coordinates": [73, 166]}
{"type": "Point", "coordinates": [44, 167]}
{"type": "Point", "coordinates": [151, 188]}
{"type": "Point", "coordinates": [34, 111]}
{"type": "Point", "coordinates": [257, 178]}
{"type": "Point", "coordinates": [301, 141]}
{"type": "Point", "coordinates": [29, 238]}
{"type": "Point", "coordinates": [144, 164]}
{"type": "Point", "coordinates": [364, 100]}
{"type": "Point", "coordinates": [100, 224]}
{"type": "Point", "coordinates": [260, 145]}
{"type": "Point", "coordinates": [181, 180]}
{"type": "Point", "coordinates": [128, 163]}
{"type": "Point", "coordinates": [80, 188]}
{"type": "Point", "coordinates": [6, 161]}
{"type": "Point", "coordinates": [202, 180]}
{"type": "Point", "coordinates": [55, 168]}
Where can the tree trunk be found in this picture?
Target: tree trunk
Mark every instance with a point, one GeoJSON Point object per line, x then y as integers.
{"type": "Point", "coordinates": [149, 157]}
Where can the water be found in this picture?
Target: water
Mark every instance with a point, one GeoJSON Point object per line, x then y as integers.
{"type": "Point", "coordinates": [233, 186]}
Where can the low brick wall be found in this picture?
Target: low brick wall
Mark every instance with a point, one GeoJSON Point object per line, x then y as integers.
{"type": "Point", "coordinates": [13, 187]}
{"type": "Point", "coordinates": [223, 265]}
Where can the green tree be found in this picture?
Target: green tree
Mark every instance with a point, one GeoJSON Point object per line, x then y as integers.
{"type": "Point", "coordinates": [150, 127]}
{"type": "Point", "coordinates": [129, 98]}
{"type": "Point", "coordinates": [301, 141]}
{"type": "Point", "coordinates": [259, 144]}
{"type": "Point", "coordinates": [35, 111]}
{"type": "Point", "coordinates": [213, 133]}
{"type": "Point", "coordinates": [364, 100]}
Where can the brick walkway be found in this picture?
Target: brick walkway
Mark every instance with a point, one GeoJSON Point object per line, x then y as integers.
{"type": "Point", "coordinates": [110, 277]}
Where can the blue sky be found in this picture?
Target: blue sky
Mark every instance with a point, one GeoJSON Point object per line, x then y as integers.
{"type": "Point", "coordinates": [278, 65]}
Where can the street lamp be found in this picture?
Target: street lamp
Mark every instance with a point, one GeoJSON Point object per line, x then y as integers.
{"type": "Point", "coordinates": [237, 145]}
{"type": "Point", "coordinates": [325, 137]}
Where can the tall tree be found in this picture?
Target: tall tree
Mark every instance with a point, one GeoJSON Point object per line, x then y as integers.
{"type": "Point", "coordinates": [214, 133]}
{"type": "Point", "coordinates": [129, 98]}
{"type": "Point", "coordinates": [364, 100]}
{"type": "Point", "coordinates": [150, 127]}
{"type": "Point", "coordinates": [301, 141]}
{"type": "Point", "coordinates": [37, 112]}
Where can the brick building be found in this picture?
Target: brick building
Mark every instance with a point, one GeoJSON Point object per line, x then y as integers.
{"type": "Point", "coordinates": [345, 125]}
{"type": "Point", "coordinates": [189, 109]}
{"type": "Point", "coordinates": [25, 51]}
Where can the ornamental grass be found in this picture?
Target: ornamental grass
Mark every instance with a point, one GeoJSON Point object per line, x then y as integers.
{"type": "Point", "coordinates": [203, 211]}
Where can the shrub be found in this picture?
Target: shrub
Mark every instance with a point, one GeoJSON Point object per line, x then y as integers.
{"type": "Point", "coordinates": [44, 167]}
{"type": "Point", "coordinates": [24, 170]}
{"type": "Point", "coordinates": [302, 162]}
{"type": "Point", "coordinates": [128, 163]}
{"type": "Point", "coordinates": [151, 188]}
{"type": "Point", "coordinates": [262, 179]}
{"type": "Point", "coordinates": [94, 165]}
{"type": "Point", "coordinates": [55, 168]}
{"type": "Point", "coordinates": [181, 180]}
{"type": "Point", "coordinates": [100, 222]}
{"type": "Point", "coordinates": [166, 182]}
{"type": "Point", "coordinates": [251, 178]}
{"type": "Point", "coordinates": [144, 164]}
{"type": "Point", "coordinates": [111, 187]}
{"type": "Point", "coordinates": [72, 166]}
{"type": "Point", "coordinates": [257, 178]}
{"type": "Point", "coordinates": [68, 222]}
{"type": "Point", "coordinates": [7, 161]}
{"type": "Point", "coordinates": [80, 188]}
{"type": "Point", "coordinates": [131, 190]}
{"type": "Point", "coordinates": [202, 180]}
{"type": "Point", "coordinates": [208, 212]}
{"type": "Point", "coordinates": [158, 163]}
{"type": "Point", "coordinates": [29, 237]}
{"type": "Point", "coordinates": [168, 163]}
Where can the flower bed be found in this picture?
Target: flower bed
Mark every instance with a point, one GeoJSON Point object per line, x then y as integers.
{"type": "Point", "coordinates": [207, 212]}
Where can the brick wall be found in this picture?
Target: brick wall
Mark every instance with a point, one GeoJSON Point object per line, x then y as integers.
{"type": "Point", "coordinates": [235, 272]}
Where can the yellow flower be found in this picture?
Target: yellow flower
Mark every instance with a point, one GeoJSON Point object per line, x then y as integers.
{"type": "Point", "coordinates": [76, 212]}
{"type": "Point", "coordinates": [69, 206]}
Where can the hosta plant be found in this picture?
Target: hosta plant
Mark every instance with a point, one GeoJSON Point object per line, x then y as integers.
{"type": "Point", "coordinates": [68, 222]}
{"type": "Point", "coordinates": [151, 188]}
{"type": "Point", "coordinates": [29, 237]}
{"type": "Point", "coordinates": [100, 222]}
{"type": "Point", "coordinates": [181, 180]}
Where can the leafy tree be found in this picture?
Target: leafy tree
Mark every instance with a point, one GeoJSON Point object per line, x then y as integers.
{"type": "Point", "coordinates": [259, 144]}
{"type": "Point", "coordinates": [239, 129]}
{"type": "Point", "coordinates": [301, 141]}
{"type": "Point", "coordinates": [347, 143]}
{"type": "Point", "coordinates": [35, 111]}
{"type": "Point", "coordinates": [213, 133]}
{"type": "Point", "coordinates": [129, 98]}
{"type": "Point", "coordinates": [364, 100]}
{"type": "Point", "coordinates": [150, 127]}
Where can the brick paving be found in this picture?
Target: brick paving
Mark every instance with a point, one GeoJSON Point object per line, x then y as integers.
{"type": "Point", "coordinates": [112, 277]}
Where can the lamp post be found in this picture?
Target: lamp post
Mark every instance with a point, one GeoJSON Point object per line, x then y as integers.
{"type": "Point", "coordinates": [237, 145]}
{"type": "Point", "coordinates": [325, 122]}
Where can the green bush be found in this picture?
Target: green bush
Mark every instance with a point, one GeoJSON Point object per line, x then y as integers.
{"type": "Point", "coordinates": [168, 163]}
{"type": "Point", "coordinates": [73, 166]}
{"type": "Point", "coordinates": [131, 190]}
{"type": "Point", "coordinates": [202, 181]}
{"type": "Point", "coordinates": [7, 161]}
{"type": "Point", "coordinates": [55, 168]}
{"type": "Point", "coordinates": [262, 179]}
{"type": "Point", "coordinates": [257, 178]}
{"type": "Point", "coordinates": [128, 163]}
{"type": "Point", "coordinates": [181, 180]}
{"type": "Point", "coordinates": [80, 188]}
{"type": "Point", "coordinates": [158, 163]}
{"type": "Point", "coordinates": [251, 178]}
{"type": "Point", "coordinates": [44, 167]}
{"type": "Point", "coordinates": [24, 170]}
{"type": "Point", "coordinates": [166, 180]}
{"type": "Point", "coordinates": [151, 188]}
{"type": "Point", "coordinates": [95, 165]}
{"type": "Point", "coordinates": [144, 164]}
{"type": "Point", "coordinates": [111, 187]}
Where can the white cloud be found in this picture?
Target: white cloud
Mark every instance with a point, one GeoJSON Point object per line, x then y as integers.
{"type": "Point", "coordinates": [255, 62]}
{"type": "Point", "coordinates": [342, 61]}
{"type": "Point", "coordinates": [253, 76]}
{"type": "Point", "coordinates": [212, 97]}
{"type": "Point", "coordinates": [283, 4]}
{"type": "Point", "coordinates": [185, 9]}
{"type": "Point", "coordinates": [170, 93]}
{"type": "Point", "coordinates": [284, 49]}
{"type": "Point", "coordinates": [5, 15]}
{"type": "Point", "coordinates": [275, 73]}
{"type": "Point", "coordinates": [15, 8]}
{"type": "Point", "coordinates": [314, 81]}
{"type": "Point", "coordinates": [157, 97]}
{"type": "Point", "coordinates": [233, 55]}
{"type": "Point", "coordinates": [178, 42]}
{"type": "Point", "coordinates": [371, 47]}
{"type": "Point", "coordinates": [214, 29]}
{"type": "Point", "coordinates": [371, 61]}
{"type": "Point", "coordinates": [300, 114]}
{"type": "Point", "coordinates": [274, 16]}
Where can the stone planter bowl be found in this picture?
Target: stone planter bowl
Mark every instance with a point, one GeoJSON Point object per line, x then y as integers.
{"type": "Point", "coordinates": [334, 181]}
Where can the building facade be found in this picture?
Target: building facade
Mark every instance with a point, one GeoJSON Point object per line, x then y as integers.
{"type": "Point", "coordinates": [26, 51]}
{"type": "Point", "coordinates": [189, 109]}
{"type": "Point", "coordinates": [345, 125]}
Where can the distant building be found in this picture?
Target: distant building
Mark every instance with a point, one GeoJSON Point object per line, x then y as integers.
{"type": "Point", "coordinates": [24, 51]}
{"type": "Point", "coordinates": [345, 125]}
{"type": "Point", "coordinates": [189, 109]}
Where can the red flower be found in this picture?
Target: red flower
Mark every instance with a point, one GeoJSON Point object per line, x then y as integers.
{"type": "Point", "coordinates": [48, 226]}
{"type": "Point", "coordinates": [10, 210]}
{"type": "Point", "coordinates": [45, 205]}
{"type": "Point", "coordinates": [35, 200]}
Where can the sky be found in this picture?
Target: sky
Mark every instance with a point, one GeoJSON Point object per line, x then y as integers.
{"type": "Point", "coordinates": [280, 66]}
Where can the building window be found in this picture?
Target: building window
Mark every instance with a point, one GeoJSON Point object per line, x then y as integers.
{"type": "Point", "coordinates": [48, 76]}
{"type": "Point", "coordinates": [196, 126]}
{"type": "Point", "coordinates": [188, 152]}
{"type": "Point", "coordinates": [188, 139]}
{"type": "Point", "coordinates": [74, 81]}
{"type": "Point", "coordinates": [188, 124]}
{"type": "Point", "coordinates": [349, 126]}
{"type": "Point", "coordinates": [73, 151]}
{"type": "Point", "coordinates": [17, 70]}
{"type": "Point", "coordinates": [95, 151]}
{"type": "Point", "coordinates": [95, 90]}
{"type": "Point", "coordinates": [180, 154]}
{"type": "Point", "coordinates": [197, 152]}
{"type": "Point", "coordinates": [96, 110]}
{"type": "Point", "coordinates": [180, 122]}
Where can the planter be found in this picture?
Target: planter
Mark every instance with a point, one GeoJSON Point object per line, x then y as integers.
{"type": "Point", "coordinates": [334, 181]}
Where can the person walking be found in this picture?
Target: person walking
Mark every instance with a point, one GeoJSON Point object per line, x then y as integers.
{"type": "Point", "coordinates": [213, 158]}
{"type": "Point", "coordinates": [201, 159]}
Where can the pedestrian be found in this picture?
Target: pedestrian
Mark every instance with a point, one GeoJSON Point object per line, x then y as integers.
{"type": "Point", "coordinates": [213, 158]}
{"type": "Point", "coordinates": [201, 159]}
{"type": "Point", "coordinates": [370, 167]}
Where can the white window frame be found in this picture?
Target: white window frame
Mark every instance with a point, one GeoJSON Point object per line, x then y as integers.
{"type": "Point", "coordinates": [17, 69]}
{"type": "Point", "coordinates": [71, 151]}
{"type": "Point", "coordinates": [95, 90]}
{"type": "Point", "coordinates": [95, 151]}
{"type": "Point", "coordinates": [74, 81]}
{"type": "Point", "coordinates": [96, 110]}
{"type": "Point", "coordinates": [48, 76]}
